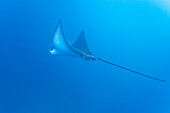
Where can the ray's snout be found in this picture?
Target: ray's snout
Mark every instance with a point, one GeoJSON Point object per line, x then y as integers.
{"type": "Point", "coordinates": [52, 50]}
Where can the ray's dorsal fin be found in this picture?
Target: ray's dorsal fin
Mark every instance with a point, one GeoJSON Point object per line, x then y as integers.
{"type": "Point", "coordinates": [81, 43]}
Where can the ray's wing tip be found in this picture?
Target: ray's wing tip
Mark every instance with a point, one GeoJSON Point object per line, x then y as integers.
{"type": "Point", "coordinates": [82, 31]}
{"type": "Point", "coordinates": [59, 22]}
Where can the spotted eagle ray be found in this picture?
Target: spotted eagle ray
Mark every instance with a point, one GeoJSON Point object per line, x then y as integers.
{"type": "Point", "coordinates": [80, 49]}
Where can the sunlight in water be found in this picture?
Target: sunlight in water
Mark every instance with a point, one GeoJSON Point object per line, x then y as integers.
{"type": "Point", "coordinates": [164, 4]}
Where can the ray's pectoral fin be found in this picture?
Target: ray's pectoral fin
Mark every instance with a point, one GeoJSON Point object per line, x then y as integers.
{"type": "Point", "coordinates": [81, 43]}
{"type": "Point", "coordinates": [60, 45]}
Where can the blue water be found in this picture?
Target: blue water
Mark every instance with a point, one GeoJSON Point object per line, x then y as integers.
{"type": "Point", "coordinates": [134, 34]}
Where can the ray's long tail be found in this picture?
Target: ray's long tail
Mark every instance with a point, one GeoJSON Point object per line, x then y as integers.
{"type": "Point", "coordinates": [131, 70]}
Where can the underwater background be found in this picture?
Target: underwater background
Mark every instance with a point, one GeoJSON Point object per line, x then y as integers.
{"type": "Point", "coordinates": [131, 33]}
